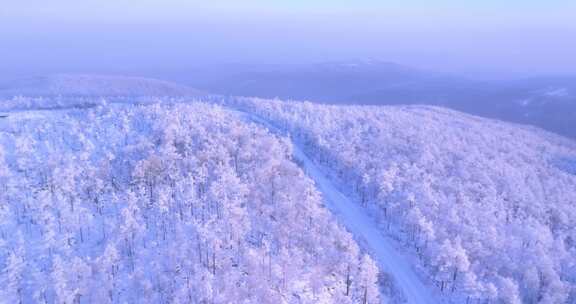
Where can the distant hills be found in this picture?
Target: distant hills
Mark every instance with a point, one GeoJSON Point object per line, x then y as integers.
{"type": "Point", "coordinates": [83, 85]}
{"type": "Point", "coordinates": [547, 102]}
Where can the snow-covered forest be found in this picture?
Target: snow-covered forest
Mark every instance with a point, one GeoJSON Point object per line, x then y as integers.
{"type": "Point", "coordinates": [486, 209]}
{"type": "Point", "coordinates": [234, 200]}
{"type": "Point", "coordinates": [165, 204]}
{"type": "Point", "coordinates": [287, 152]}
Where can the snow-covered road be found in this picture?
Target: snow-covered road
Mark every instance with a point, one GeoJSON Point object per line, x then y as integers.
{"type": "Point", "coordinates": [362, 226]}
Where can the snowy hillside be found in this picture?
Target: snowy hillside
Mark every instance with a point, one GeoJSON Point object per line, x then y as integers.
{"type": "Point", "coordinates": [165, 204]}
{"type": "Point", "coordinates": [93, 85]}
{"type": "Point", "coordinates": [546, 102]}
{"type": "Point", "coordinates": [265, 201]}
{"type": "Point", "coordinates": [486, 209]}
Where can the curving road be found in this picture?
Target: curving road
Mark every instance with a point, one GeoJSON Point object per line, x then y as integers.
{"type": "Point", "coordinates": [361, 225]}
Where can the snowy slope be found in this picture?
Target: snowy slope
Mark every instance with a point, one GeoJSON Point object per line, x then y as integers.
{"type": "Point", "coordinates": [453, 208]}
{"type": "Point", "coordinates": [546, 102]}
{"type": "Point", "coordinates": [165, 204]}
{"type": "Point", "coordinates": [93, 85]}
{"type": "Point", "coordinates": [486, 208]}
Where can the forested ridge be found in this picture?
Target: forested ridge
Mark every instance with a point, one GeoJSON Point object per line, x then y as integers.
{"type": "Point", "coordinates": [167, 200]}
{"type": "Point", "coordinates": [486, 209]}
{"type": "Point", "coordinates": [165, 204]}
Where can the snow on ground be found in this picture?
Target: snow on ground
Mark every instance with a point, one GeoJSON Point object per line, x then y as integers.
{"type": "Point", "coordinates": [93, 85]}
{"type": "Point", "coordinates": [483, 209]}
{"type": "Point", "coordinates": [409, 278]}
{"type": "Point", "coordinates": [363, 227]}
{"type": "Point", "coordinates": [366, 229]}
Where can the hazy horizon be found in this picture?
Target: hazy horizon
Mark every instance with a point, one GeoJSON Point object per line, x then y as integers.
{"type": "Point", "coordinates": [487, 40]}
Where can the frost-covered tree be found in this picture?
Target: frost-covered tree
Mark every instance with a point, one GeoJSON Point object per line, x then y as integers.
{"type": "Point", "coordinates": [485, 207]}
{"type": "Point", "coordinates": [165, 203]}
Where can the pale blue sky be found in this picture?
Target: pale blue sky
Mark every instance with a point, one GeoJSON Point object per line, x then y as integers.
{"type": "Point", "coordinates": [475, 37]}
{"type": "Point", "coordinates": [480, 13]}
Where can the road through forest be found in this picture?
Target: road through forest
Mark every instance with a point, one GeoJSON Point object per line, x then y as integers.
{"type": "Point", "coordinates": [361, 225]}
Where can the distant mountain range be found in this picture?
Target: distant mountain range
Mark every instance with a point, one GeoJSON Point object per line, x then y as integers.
{"type": "Point", "coordinates": [547, 102]}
